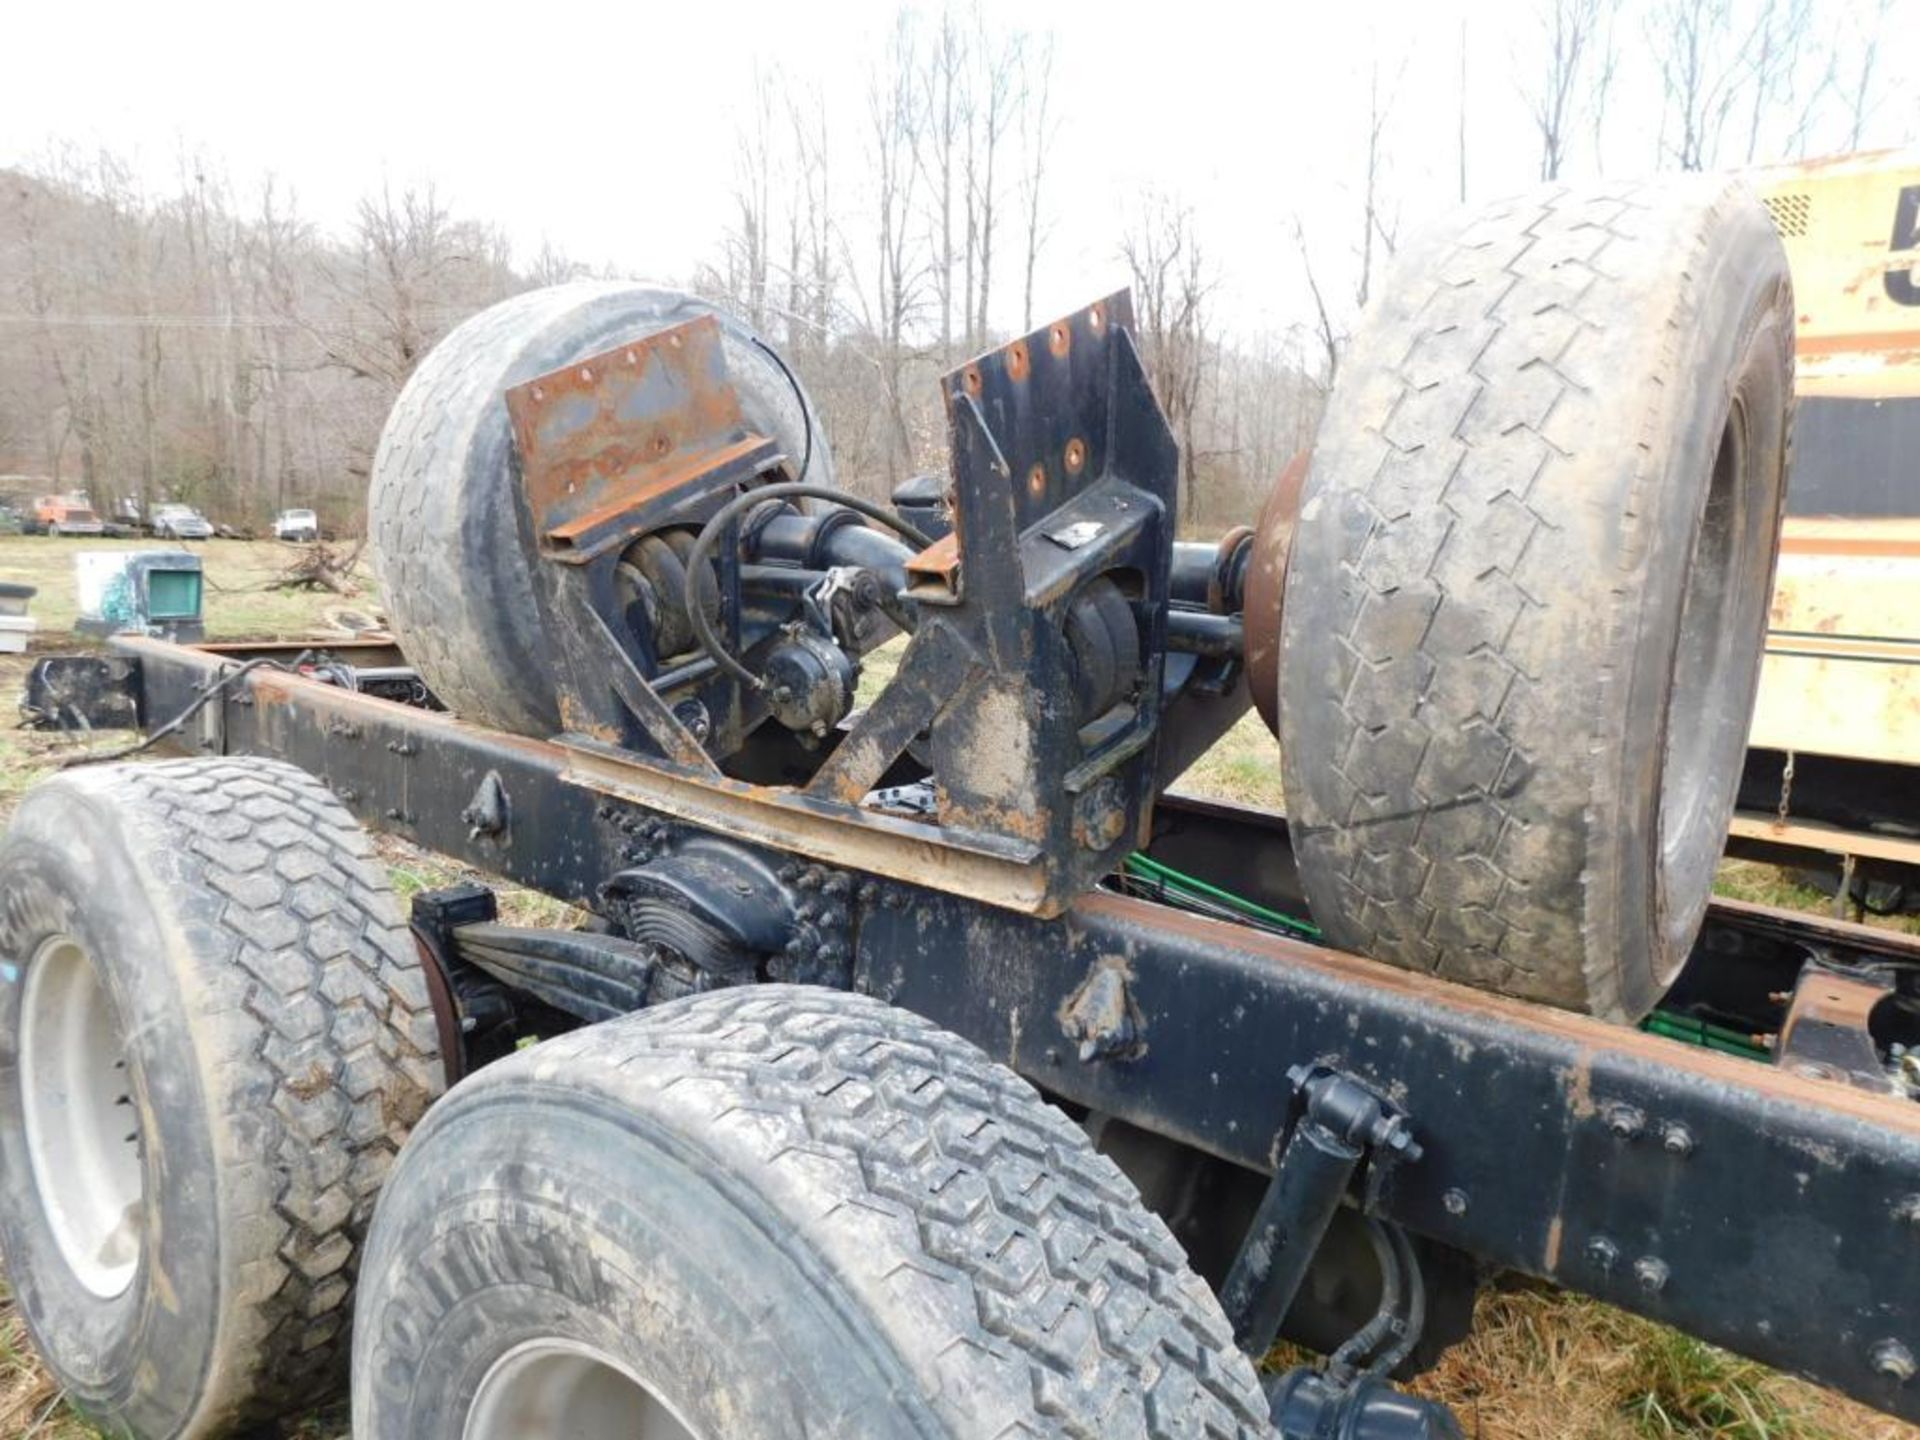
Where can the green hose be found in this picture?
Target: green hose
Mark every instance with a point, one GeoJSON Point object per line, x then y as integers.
{"type": "Point", "coordinates": [1179, 885]}
{"type": "Point", "coordinates": [1146, 867]}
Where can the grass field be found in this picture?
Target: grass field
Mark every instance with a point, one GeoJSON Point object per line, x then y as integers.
{"type": "Point", "coordinates": [1541, 1366]}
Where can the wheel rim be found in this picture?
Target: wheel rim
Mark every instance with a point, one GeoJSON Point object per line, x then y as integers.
{"type": "Point", "coordinates": [563, 1390]}
{"type": "Point", "coordinates": [1702, 725]}
{"type": "Point", "coordinates": [83, 1139]}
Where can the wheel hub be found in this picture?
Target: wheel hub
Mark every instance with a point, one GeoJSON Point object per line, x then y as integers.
{"type": "Point", "coordinates": [564, 1390]}
{"type": "Point", "coordinates": [83, 1135]}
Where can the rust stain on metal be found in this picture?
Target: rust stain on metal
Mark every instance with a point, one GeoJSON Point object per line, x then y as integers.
{"type": "Point", "coordinates": [1828, 1033]}
{"type": "Point", "coordinates": [1579, 1083]}
{"type": "Point", "coordinates": [1019, 363]}
{"type": "Point", "coordinates": [1834, 1000]}
{"type": "Point", "coordinates": [1222, 560]}
{"type": "Point", "coordinates": [606, 433]}
{"type": "Point", "coordinates": [1075, 456]}
{"type": "Point", "coordinates": [1897, 345]}
{"type": "Point", "coordinates": [659, 480]}
{"type": "Point", "coordinates": [938, 564]}
{"type": "Point", "coordinates": [579, 721]}
{"type": "Point", "coordinates": [1266, 587]}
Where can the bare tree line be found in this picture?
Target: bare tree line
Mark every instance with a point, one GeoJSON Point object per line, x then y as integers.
{"type": "Point", "coordinates": [1725, 83]}
{"type": "Point", "coordinates": [1738, 82]}
{"type": "Point", "coordinates": [201, 349]}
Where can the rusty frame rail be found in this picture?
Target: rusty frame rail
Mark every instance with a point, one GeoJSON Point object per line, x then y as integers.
{"type": "Point", "coordinates": [1775, 1214]}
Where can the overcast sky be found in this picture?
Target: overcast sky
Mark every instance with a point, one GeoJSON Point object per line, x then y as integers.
{"type": "Point", "coordinates": [609, 129]}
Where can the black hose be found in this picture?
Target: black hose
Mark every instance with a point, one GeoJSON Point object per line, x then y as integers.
{"type": "Point", "coordinates": [1351, 1355]}
{"type": "Point", "coordinates": [724, 516]}
{"type": "Point", "coordinates": [1389, 1360]}
{"type": "Point", "coordinates": [200, 702]}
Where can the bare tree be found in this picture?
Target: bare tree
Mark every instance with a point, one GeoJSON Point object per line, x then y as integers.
{"type": "Point", "coordinates": [815, 194]}
{"type": "Point", "coordinates": [948, 131]}
{"type": "Point", "coordinates": [896, 117]}
{"type": "Point", "coordinates": [998, 69]}
{"type": "Point", "coordinates": [1324, 332]}
{"type": "Point", "coordinates": [1777, 78]}
{"type": "Point", "coordinates": [1704, 51]}
{"type": "Point", "coordinates": [1860, 92]}
{"type": "Point", "coordinates": [1374, 224]}
{"type": "Point", "coordinates": [750, 236]}
{"type": "Point", "coordinates": [1605, 69]}
{"type": "Point", "coordinates": [1036, 139]}
{"type": "Point", "coordinates": [1171, 283]}
{"type": "Point", "coordinates": [1570, 32]}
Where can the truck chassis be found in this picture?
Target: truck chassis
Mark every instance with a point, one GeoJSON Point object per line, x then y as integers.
{"type": "Point", "coordinates": [1769, 1208]}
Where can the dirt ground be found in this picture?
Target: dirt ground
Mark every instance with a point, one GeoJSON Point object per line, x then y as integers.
{"type": "Point", "coordinates": [1541, 1364]}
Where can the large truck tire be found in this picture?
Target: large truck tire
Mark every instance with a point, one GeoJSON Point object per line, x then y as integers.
{"type": "Point", "coordinates": [214, 1037]}
{"type": "Point", "coordinates": [442, 507]}
{"type": "Point", "coordinates": [770, 1212]}
{"type": "Point", "coordinates": [1527, 597]}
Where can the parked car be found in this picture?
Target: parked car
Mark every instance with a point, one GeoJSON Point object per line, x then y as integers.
{"type": "Point", "coordinates": [66, 515]}
{"type": "Point", "coordinates": [180, 522]}
{"type": "Point", "coordinates": [296, 525]}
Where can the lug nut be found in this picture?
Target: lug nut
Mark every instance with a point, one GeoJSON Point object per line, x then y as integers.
{"type": "Point", "coordinates": [1651, 1271]}
{"type": "Point", "coordinates": [1626, 1121]}
{"type": "Point", "coordinates": [1893, 1360]}
{"type": "Point", "coordinates": [1676, 1139]}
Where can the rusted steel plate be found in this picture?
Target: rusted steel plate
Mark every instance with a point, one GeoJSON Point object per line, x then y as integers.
{"type": "Point", "coordinates": [1828, 1035]}
{"type": "Point", "coordinates": [626, 426]}
{"type": "Point", "coordinates": [1266, 588]}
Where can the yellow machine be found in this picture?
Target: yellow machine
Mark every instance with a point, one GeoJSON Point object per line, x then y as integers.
{"type": "Point", "coordinates": [1838, 719]}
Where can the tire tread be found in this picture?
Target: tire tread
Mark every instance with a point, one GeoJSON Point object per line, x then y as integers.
{"type": "Point", "coordinates": [1072, 1309]}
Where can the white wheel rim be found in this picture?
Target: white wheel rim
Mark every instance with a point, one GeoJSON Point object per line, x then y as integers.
{"type": "Point", "coordinates": [83, 1139]}
{"type": "Point", "coordinates": [563, 1390]}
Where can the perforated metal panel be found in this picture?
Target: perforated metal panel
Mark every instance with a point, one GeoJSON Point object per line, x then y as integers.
{"type": "Point", "coordinates": [1791, 211]}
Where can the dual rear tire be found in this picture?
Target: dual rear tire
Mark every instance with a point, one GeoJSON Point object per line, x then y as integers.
{"type": "Point", "coordinates": [214, 1038]}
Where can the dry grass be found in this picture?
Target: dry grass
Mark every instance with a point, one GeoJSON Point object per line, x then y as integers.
{"type": "Point", "coordinates": [1541, 1365]}
{"type": "Point", "coordinates": [29, 1403]}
